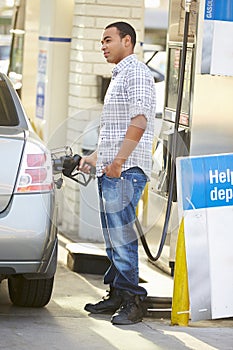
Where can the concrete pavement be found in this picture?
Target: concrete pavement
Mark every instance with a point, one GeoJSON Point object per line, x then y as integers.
{"type": "Point", "coordinates": [64, 324]}
{"type": "Point", "coordinates": [153, 332]}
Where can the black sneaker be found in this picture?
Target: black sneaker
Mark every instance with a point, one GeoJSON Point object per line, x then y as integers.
{"type": "Point", "coordinates": [131, 310]}
{"type": "Point", "coordinates": [108, 305]}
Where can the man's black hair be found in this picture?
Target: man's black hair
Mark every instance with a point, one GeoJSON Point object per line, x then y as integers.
{"type": "Point", "coordinates": [124, 29]}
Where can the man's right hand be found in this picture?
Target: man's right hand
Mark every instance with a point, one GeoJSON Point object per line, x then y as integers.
{"type": "Point", "coordinates": [88, 162]}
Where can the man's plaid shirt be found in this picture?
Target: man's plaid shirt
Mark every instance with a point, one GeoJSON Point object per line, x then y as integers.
{"type": "Point", "coordinates": [131, 92]}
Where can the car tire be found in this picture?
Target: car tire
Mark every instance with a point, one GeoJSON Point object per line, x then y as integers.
{"type": "Point", "coordinates": [30, 293]}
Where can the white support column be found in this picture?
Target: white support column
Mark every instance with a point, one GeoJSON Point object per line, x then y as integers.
{"type": "Point", "coordinates": [30, 53]}
{"type": "Point", "coordinates": [53, 70]}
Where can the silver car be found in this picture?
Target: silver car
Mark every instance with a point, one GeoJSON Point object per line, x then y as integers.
{"type": "Point", "coordinates": [28, 230]}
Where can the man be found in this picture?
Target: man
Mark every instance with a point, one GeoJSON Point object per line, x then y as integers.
{"type": "Point", "coordinates": [123, 165]}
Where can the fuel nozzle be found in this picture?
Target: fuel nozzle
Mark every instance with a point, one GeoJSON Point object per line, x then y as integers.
{"type": "Point", "coordinates": [70, 164]}
{"type": "Point", "coordinates": [64, 162]}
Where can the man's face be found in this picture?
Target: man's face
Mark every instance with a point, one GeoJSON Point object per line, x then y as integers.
{"type": "Point", "coordinates": [114, 47]}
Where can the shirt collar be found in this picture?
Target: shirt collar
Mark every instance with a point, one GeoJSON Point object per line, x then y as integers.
{"type": "Point", "coordinates": [123, 64]}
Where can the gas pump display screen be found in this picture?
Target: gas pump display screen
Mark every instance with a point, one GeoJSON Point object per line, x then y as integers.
{"type": "Point", "coordinates": [173, 75]}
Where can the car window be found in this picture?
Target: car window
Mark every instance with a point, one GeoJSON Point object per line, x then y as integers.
{"type": "Point", "coordinates": [8, 113]}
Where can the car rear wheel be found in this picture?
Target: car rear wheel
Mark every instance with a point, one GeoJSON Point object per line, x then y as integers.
{"type": "Point", "coordinates": [30, 293]}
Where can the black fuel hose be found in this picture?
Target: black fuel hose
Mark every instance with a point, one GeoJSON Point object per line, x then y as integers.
{"type": "Point", "coordinates": [174, 149]}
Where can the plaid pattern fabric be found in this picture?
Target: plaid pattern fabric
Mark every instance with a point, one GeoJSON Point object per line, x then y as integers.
{"type": "Point", "coordinates": [131, 92]}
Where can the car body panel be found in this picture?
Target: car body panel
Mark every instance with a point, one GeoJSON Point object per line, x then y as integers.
{"type": "Point", "coordinates": [24, 228]}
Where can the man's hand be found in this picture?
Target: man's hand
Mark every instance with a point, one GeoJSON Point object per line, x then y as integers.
{"type": "Point", "coordinates": [86, 163]}
{"type": "Point", "coordinates": [113, 170]}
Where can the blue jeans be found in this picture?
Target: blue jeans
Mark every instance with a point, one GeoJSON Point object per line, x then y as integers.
{"type": "Point", "coordinates": [118, 200]}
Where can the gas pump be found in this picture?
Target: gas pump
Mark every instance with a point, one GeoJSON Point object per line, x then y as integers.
{"type": "Point", "coordinates": [197, 117]}
{"type": "Point", "coordinates": [175, 131]}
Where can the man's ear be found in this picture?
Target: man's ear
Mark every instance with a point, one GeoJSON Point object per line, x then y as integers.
{"type": "Point", "coordinates": [127, 40]}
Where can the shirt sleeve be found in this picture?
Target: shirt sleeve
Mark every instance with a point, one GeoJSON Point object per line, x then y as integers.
{"type": "Point", "coordinates": [141, 92]}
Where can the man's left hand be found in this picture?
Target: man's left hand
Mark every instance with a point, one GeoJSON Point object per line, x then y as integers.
{"type": "Point", "coordinates": [113, 170]}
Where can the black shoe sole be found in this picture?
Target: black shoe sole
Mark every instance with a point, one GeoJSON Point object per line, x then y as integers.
{"type": "Point", "coordinates": [125, 322]}
{"type": "Point", "coordinates": [92, 310]}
